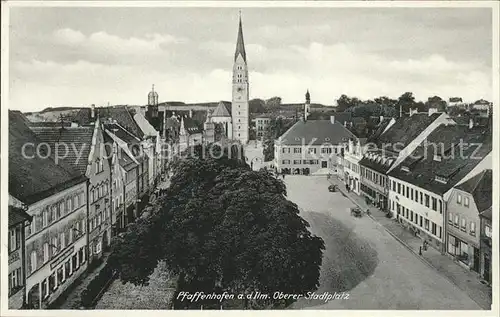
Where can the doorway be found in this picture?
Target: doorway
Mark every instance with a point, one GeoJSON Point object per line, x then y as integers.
{"type": "Point", "coordinates": [487, 268]}
{"type": "Point", "coordinates": [324, 164]}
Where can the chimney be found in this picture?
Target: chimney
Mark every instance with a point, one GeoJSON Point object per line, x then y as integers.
{"type": "Point", "coordinates": [190, 113]}
{"type": "Point", "coordinates": [381, 118]}
{"type": "Point", "coordinates": [471, 123]}
{"type": "Point", "coordinates": [345, 123]}
{"type": "Point", "coordinates": [332, 119]}
{"type": "Point", "coordinates": [92, 111]}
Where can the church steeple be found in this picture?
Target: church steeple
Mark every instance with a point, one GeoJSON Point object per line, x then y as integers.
{"type": "Point", "coordinates": [240, 44]}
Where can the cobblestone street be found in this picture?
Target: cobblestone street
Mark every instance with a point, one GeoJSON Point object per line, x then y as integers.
{"type": "Point", "coordinates": [399, 280]}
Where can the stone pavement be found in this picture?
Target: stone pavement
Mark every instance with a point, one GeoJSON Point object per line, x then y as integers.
{"type": "Point", "coordinates": [464, 279]}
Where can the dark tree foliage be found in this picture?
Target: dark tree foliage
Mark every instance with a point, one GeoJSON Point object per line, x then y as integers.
{"type": "Point", "coordinates": [344, 102]}
{"type": "Point", "coordinates": [223, 227]}
{"type": "Point", "coordinates": [257, 106]}
{"type": "Point", "coordinates": [277, 126]}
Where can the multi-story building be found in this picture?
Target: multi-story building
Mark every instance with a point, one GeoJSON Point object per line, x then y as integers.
{"type": "Point", "coordinates": [125, 172]}
{"type": "Point", "coordinates": [352, 155]}
{"type": "Point", "coordinates": [421, 186]}
{"type": "Point", "coordinates": [485, 245]}
{"type": "Point", "coordinates": [88, 160]}
{"type": "Point", "coordinates": [311, 145]}
{"type": "Point", "coordinates": [55, 195]}
{"type": "Point", "coordinates": [18, 220]}
{"type": "Point", "coordinates": [262, 123]}
{"type": "Point", "coordinates": [390, 148]}
{"type": "Point", "coordinates": [467, 201]}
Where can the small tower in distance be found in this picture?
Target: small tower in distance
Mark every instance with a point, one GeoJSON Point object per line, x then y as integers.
{"type": "Point", "coordinates": [307, 105]}
{"type": "Point", "coordinates": [209, 129]}
{"type": "Point", "coordinates": [152, 111]}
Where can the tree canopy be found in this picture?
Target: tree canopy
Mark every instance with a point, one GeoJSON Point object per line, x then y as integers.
{"type": "Point", "coordinates": [222, 227]}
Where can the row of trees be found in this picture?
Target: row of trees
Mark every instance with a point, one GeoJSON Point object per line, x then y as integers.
{"type": "Point", "coordinates": [385, 106]}
{"type": "Point", "coordinates": [222, 227]}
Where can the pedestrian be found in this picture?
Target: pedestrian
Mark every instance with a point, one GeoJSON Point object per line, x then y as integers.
{"type": "Point", "coordinates": [283, 175]}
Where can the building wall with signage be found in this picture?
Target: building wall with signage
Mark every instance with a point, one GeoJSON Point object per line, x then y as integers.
{"type": "Point", "coordinates": [55, 244]}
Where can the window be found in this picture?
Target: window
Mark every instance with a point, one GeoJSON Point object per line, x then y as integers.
{"type": "Point", "coordinates": [76, 203]}
{"type": "Point", "coordinates": [434, 231]}
{"type": "Point", "coordinates": [312, 150]}
{"type": "Point", "coordinates": [487, 231]}
{"type": "Point", "coordinates": [450, 218]}
{"type": "Point", "coordinates": [407, 192]}
{"type": "Point", "coordinates": [393, 186]}
{"type": "Point", "coordinates": [426, 224]}
{"type": "Point", "coordinates": [426, 200]}
{"type": "Point", "coordinates": [45, 218]}
{"type": "Point", "coordinates": [98, 247]}
{"type": "Point", "coordinates": [440, 206]}
{"type": "Point", "coordinates": [297, 150]}
{"type": "Point", "coordinates": [399, 188]}
{"type": "Point", "coordinates": [33, 261]}
{"type": "Point", "coordinates": [466, 201]}
{"type": "Point", "coordinates": [45, 252]}
{"type": "Point", "coordinates": [463, 227]}
{"type": "Point", "coordinates": [434, 203]}
{"type": "Point", "coordinates": [411, 194]}
{"type": "Point", "coordinates": [69, 205]}
{"type": "Point", "coordinates": [472, 228]}
{"type": "Point", "coordinates": [459, 199]}
{"type": "Point", "coordinates": [421, 221]}
{"type": "Point", "coordinates": [416, 195]}
{"type": "Point", "coordinates": [62, 239]}
{"type": "Point", "coordinates": [411, 215]}
{"type": "Point", "coordinates": [62, 211]}
{"type": "Point", "coordinates": [456, 221]}
{"type": "Point", "coordinates": [82, 199]}
{"type": "Point", "coordinates": [421, 198]}
{"type": "Point", "coordinates": [55, 245]}
{"type": "Point", "coordinates": [296, 161]}
{"type": "Point", "coordinates": [440, 232]}
{"type": "Point", "coordinates": [286, 161]}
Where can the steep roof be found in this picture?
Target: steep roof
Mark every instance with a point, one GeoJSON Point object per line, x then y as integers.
{"type": "Point", "coordinates": [240, 45]}
{"type": "Point", "coordinates": [124, 117]}
{"type": "Point", "coordinates": [481, 188]}
{"type": "Point", "coordinates": [405, 130]}
{"type": "Point", "coordinates": [380, 129]}
{"type": "Point", "coordinates": [191, 126]}
{"type": "Point", "coordinates": [456, 160]}
{"type": "Point", "coordinates": [316, 132]}
{"type": "Point", "coordinates": [486, 213]}
{"type": "Point", "coordinates": [378, 160]}
{"type": "Point", "coordinates": [31, 177]}
{"type": "Point", "coordinates": [65, 141]}
{"type": "Point", "coordinates": [221, 111]}
{"type": "Point", "coordinates": [17, 216]}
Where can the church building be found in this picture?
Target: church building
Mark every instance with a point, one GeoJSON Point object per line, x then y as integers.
{"type": "Point", "coordinates": [239, 106]}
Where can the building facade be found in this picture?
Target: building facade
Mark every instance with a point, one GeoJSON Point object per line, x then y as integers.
{"type": "Point", "coordinates": [262, 123]}
{"type": "Point", "coordinates": [311, 146]}
{"type": "Point", "coordinates": [486, 244]}
{"type": "Point", "coordinates": [18, 221]}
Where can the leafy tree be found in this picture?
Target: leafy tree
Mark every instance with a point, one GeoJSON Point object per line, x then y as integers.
{"type": "Point", "coordinates": [257, 106]}
{"type": "Point", "coordinates": [437, 102]}
{"type": "Point", "coordinates": [405, 102]}
{"type": "Point", "coordinates": [273, 102]}
{"type": "Point", "coordinates": [277, 126]}
{"type": "Point", "coordinates": [222, 227]}
{"type": "Point", "coordinates": [344, 102]}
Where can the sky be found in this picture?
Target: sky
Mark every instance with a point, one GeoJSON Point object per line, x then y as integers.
{"type": "Point", "coordinates": [82, 56]}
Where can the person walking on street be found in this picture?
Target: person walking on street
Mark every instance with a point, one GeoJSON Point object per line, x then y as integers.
{"type": "Point", "coordinates": [283, 175]}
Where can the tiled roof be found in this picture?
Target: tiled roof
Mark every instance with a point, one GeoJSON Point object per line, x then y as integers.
{"type": "Point", "coordinates": [191, 126]}
{"type": "Point", "coordinates": [406, 129]}
{"type": "Point", "coordinates": [453, 166]}
{"type": "Point", "coordinates": [378, 161]}
{"type": "Point", "coordinates": [316, 132]}
{"type": "Point", "coordinates": [124, 117]}
{"type": "Point", "coordinates": [487, 213]}
{"type": "Point", "coordinates": [481, 188]}
{"type": "Point", "coordinates": [127, 140]}
{"type": "Point", "coordinates": [65, 141]}
{"type": "Point", "coordinates": [36, 178]}
{"type": "Point", "coordinates": [221, 111]}
{"type": "Point", "coordinates": [17, 216]}
{"type": "Point", "coordinates": [240, 45]}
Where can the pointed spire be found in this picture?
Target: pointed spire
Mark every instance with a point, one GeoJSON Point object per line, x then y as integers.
{"type": "Point", "coordinates": [240, 45]}
{"type": "Point", "coordinates": [308, 96]}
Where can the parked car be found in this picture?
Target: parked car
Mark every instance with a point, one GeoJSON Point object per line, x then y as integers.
{"type": "Point", "coordinates": [332, 188]}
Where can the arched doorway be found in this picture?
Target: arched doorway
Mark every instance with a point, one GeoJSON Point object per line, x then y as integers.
{"type": "Point", "coordinates": [33, 301]}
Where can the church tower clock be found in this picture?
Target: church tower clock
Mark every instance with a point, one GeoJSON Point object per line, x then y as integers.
{"type": "Point", "coordinates": [240, 107]}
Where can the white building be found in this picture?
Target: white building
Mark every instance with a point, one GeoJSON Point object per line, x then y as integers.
{"type": "Point", "coordinates": [311, 146]}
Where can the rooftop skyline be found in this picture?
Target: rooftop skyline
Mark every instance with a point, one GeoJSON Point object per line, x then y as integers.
{"type": "Point", "coordinates": [81, 56]}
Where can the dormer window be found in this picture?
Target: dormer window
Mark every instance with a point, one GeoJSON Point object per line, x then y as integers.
{"type": "Point", "coordinates": [405, 169]}
{"type": "Point", "coordinates": [441, 179]}
{"type": "Point", "coordinates": [437, 157]}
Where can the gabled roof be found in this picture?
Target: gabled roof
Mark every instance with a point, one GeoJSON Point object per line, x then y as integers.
{"type": "Point", "coordinates": [17, 216]}
{"type": "Point", "coordinates": [124, 117]}
{"type": "Point", "coordinates": [405, 130]}
{"type": "Point", "coordinates": [316, 132]}
{"type": "Point", "coordinates": [64, 141]}
{"type": "Point", "coordinates": [480, 187]}
{"type": "Point", "coordinates": [240, 45]}
{"type": "Point", "coordinates": [453, 165]}
{"type": "Point", "coordinates": [144, 125]}
{"type": "Point", "coordinates": [221, 111]}
{"type": "Point", "coordinates": [31, 177]}
{"type": "Point", "coordinates": [486, 213]}
{"type": "Point", "coordinates": [381, 128]}
{"type": "Point", "coordinates": [125, 156]}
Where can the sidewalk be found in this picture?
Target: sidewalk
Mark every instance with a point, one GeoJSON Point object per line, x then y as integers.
{"type": "Point", "coordinates": [466, 280]}
{"type": "Point", "coordinates": [73, 299]}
